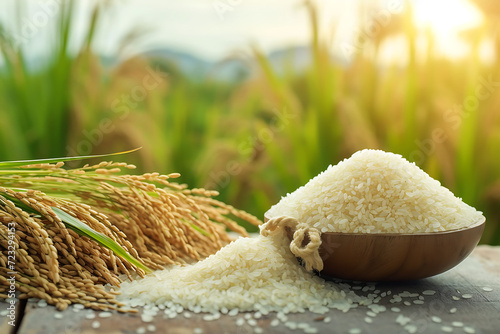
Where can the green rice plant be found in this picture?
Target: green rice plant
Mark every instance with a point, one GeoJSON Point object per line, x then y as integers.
{"type": "Point", "coordinates": [36, 102]}
{"type": "Point", "coordinates": [53, 104]}
{"type": "Point", "coordinates": [312, 127]}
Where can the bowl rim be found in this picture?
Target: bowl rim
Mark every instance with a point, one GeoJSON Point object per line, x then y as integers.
{"type": "Point", "coordinates": [480, 222]}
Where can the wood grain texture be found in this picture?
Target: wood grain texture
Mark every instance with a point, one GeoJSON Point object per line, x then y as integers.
{"type": "Point", "coordinates": [481, 311]}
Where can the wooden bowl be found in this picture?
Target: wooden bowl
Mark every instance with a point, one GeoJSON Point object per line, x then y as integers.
{"type": "Point", "coordinates": [393, 256]}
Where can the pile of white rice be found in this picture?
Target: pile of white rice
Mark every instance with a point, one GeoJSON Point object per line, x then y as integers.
{"type": "Point", "coordinates": [375, 191]}
{"type": "Point", "coordinates": [250, 274]}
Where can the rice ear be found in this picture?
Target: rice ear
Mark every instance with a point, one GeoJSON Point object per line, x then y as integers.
{"type": "Point", "coordinates": [130, 222]}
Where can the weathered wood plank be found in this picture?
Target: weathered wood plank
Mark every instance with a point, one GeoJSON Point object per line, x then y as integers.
{"type": "Point", "coordinates": [481, 311]}
{"type": "Point", "coordinates": [4, 326]}
{"type": "Point", "coordinates": [8, 318]}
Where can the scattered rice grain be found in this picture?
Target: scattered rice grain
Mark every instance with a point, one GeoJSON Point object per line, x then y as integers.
{"type": "Point", "coordinates": [436, 319]}
{"type": "Point", "coordinates": [469, 330]}
{"type": "Point", "coordinates": [447, 329]}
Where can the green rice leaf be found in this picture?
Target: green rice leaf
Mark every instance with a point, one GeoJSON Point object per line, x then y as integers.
{"type": "Point", "coordinates": [9, 164]}
{"type": "Point", "coordinates": [83, 229]}
{"type": "Point", "coordinates": [199, 229]}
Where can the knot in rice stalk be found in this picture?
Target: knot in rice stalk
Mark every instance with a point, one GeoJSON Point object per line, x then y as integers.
{"type": "Point", "coordinates": [309, 252]}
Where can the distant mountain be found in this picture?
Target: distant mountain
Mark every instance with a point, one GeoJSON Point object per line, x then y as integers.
{"type": "Point", "coordinates": [297, 58]}
{"type": "Point", "coordinates": [196, 68]}
{"type": "Point", "coordinates": [231, 69]}
{"type": "Point", "coordinates": [188, 64]}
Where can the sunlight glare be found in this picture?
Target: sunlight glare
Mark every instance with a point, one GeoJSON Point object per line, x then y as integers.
{"type": "Point", "coordinates": [446, 17]}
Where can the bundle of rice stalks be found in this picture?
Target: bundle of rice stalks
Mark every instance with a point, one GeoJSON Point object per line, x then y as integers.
{"type": "Point", "coordinates": [64, 234]}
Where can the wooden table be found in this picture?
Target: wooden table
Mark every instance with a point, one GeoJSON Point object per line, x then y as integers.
{"type": "Point", "coordinates": [481, 311]}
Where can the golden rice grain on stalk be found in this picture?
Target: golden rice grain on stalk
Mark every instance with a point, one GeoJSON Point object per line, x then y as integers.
{"type": "Point", "coordinates": [155, 221]}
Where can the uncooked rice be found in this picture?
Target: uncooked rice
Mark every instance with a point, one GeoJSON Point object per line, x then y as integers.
{"type": "Point", "coordinates": [250, 274]}
{"type": "Point", "coordinates": [371, 192]}
{"type": "Point", "coordinates": [375, 191]}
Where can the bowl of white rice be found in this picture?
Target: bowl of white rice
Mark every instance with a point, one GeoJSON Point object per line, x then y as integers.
{"type": "Point", "coordinates": [382, 218]}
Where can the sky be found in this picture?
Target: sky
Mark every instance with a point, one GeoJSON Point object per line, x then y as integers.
{"type": "Point", "coordinates": [213, 29]}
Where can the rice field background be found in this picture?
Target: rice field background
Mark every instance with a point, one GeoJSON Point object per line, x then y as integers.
{"type": "Point", "coordinates": [271, 126]}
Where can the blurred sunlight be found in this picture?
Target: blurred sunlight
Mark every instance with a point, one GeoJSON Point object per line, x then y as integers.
{"type": "Point", "coordinates": [446, 19]}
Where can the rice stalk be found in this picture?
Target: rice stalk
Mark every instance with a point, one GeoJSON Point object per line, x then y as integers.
{"type": "Point", "coordinates": [77, 230]}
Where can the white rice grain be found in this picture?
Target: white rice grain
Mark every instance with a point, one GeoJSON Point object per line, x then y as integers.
{"type": "Point", "coordinates": [377, 192]}
{"type": "Point", "coordinates": [245, 273]}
